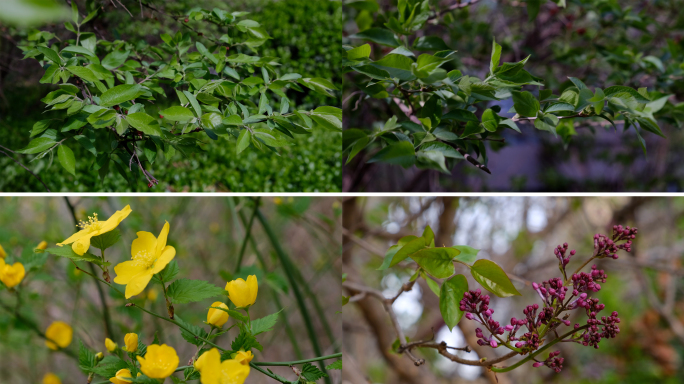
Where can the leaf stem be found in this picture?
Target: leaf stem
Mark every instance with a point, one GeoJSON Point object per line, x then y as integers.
{"type": "Point", "coordinates": [248, 231]}
{"type": "Point", "coordinates": [289, 363]}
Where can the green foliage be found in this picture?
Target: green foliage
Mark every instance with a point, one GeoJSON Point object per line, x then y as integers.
{"type": "Point", "coordinates": [106, 239]}
{"type": "Point", "coordinates": [433, 106]}
{"type": "Point", "coordinates": [264, 324]}
{"type": "Point", "coordinates": [69, 253]}
{"type": "Point", "coordinates": [187, 291]}
{"type": "Point", "coordinates": [450, 296]}
{"type": "Point", "coordinates": [223, 89]}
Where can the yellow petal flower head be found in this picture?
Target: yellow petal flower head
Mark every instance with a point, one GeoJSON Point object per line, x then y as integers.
{"type": "Point", "coordinates": [131, 341]}
{"type": "Point", "coordinates": [243, 357]}
{"type": "Point", "coordinates": [243, 293]}
{"type": "Point", "coordinates": [3, 254]}
{"type": "Point", "coordinates": [58, 335]}
{"type": "Point", "coordinates": [149, 256]}
{"type": "Point", "coordinates": [123, 376]}
{"type": "Point", "coordinates": [80, 241]}
{"type": "Point", "coordinates": [110, 345]}
{"type": "Point", "coordinates": [159, 362]}
{"type": "Point", "coordinates": [217, 317]}
{"type": "Point", "coordinates": [213, 371]}
{"type": "Point", "coordinates": [51, 378]}
{"type": "Point", "coordinates": [42, 245]}
{"type": "Point", "coordinates": [11, 275]}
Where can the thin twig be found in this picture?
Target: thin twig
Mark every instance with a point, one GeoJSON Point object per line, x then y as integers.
{"type": "Point", "coordinates": [25, 167]}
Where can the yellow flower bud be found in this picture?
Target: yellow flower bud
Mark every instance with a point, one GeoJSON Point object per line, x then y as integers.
{"type": "Point", "coordinates": [159, 362]}
{"type": "Point", "coordinates": [243, 357]}
{"type": "Point", "coordinates": [131, 341]}
{"type": "Point", "coordinates": [11, 275]}
{"type": "Point", "coordinates": [122, 376]}
{"type": "Point", "coordinates": [152, 295]}
{"type": "Point", "coordinates": [99, 356]}
{"type": "Point", "coordinates": [51, 378]}
{"type": "Point", "coordinates": [42, 245]}
{"type": "Point", "coordinates": [217, 317]}
{"type": "Point", "coordinates": [243, 293]}
{"type": "Point", "coordinates": [110, 345]}
{"type": "Point", "coordinates": [3, 254]}
{"type": "Point", "coordinates": [58, 335]}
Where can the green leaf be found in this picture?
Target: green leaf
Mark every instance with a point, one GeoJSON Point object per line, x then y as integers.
{"type": "Point", "coordinates": [434, 287]}
{"type": "Point", "coordinates": [311, 373]}
{"type": "Point", "coordinates": [450, 297]}
{"type": "Point", "coordinates": [74, 17]}
{"type": "Point", "coordinates": [401, 153]}
{"type": "Point", "coordinates": [468, 254]}
{"type": "Point", "coordinates": [245, 341]}
{"type": "Point", "coordinates": [82, 72]}
{"type": "Point", "coordinates": [50, 54]}
{"type": "Point", "coordinates": [461, 115]}
{"type": "Point", "coordinates": [533, 8]}
{"type": "Point", "coordinates": [205, 52]}
{"type": "Point", "coordinates": [336, 365]}
{"type": "Point", "coordinates": [399, 252]}
{"type": "Point", "coordinates": [496, 57]}
{"type": "Point", "coordinates": [106, 239]}
{"type": "Point", "coordinates": [109, 366]}
{"type": "Point", "coordinates": [430, 43]}
{"type": "Point", "coordinates": [320, 85]}
{"type": "Point", "coordinates": [119, 94]}
{"type": "Point", "coordinates": [525, 103]}
{"type": "Point", "coordinates": [66, 159]}
{"type": "Point", "coordinates": [38, 145]}
{"type": "Point", "coordinates": [359, 53]}
{"type": "Point", "coordinates": [115, 59]}
{"type": "Point", "coordinates": [234, 314]}
{"type": "Point", "coordinates": [144, 123]}
{"type": "Point", "coordinates": [86, 357]}
{"type": "Point", "coordinates": [378, 35]}
{"type": "Point", "coordinates": [436, 261]}
{"type": "Point", "coordinates": [396, 65]}
{"type": "Point", "coordinates": [546, 122]}
{"type": "Point", "coordinates": [168, 273]}
{"type": "Point", "coordinates": [328, 117]}
{"type": "Point", "coordinates": [177, 113]}
{"type": "Point", "coordinates": [186, 291]}
{"type": "Point", "coordinates": [243, 140]}
{"type": "Point", "coordinates": [610, 91]}
{"type": "Point", "coordinates": [264, 324]}
{"type": "Point", "coordinates": [445, 149]}
{"type": "Point", "coordinates": [212, 120]}
{"type": "Point", "coordinates": [490, 121]}
{"type": "Point", "coordinates": [194, 103]}
{"type": "Point", "coordinates": [493, 278]}
{"type": "Point", "coordinates": [233, 120]}
{"type": "Point", "coordinates": [194, 330]}
{"type": "Point", "coordinates": [69, 253]}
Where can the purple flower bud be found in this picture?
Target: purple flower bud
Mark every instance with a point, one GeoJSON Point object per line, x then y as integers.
{"type": "Point", "coordinates": [537, 364]}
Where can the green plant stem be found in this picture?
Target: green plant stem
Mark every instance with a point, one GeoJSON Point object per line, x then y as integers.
{"type": "Point", "coordinates": [289, 363]}
{"type": "Point", "coordinates": [276, 298]}
{"type": "Point", "coordinates": [248, 231]}
{"type": "Point", "coordinates": [105, 309]}
{"type": "Point", "coordinates": [290, 273]}
{"type": "Point", "coordinates": [538, 351]}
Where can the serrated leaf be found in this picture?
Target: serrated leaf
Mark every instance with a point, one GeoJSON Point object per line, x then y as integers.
{"type": "Point", "coordinates": [187, 291]}
{"type": "Point", "coordinates": [245, 341]}
{"type": "Point", "coordinates": [86, 358]}
{"type": "Point", "coordinates": [264, 324]}
{"type": "Point", "coordinates": [194, 330]}
{"type": "Point", "coordinates": [69, 253]}
{"type": "Point", "coordinates": [106, 239]}
{"type": "Point", "coordinates": [336, 365]}
{"type": "Point", "coordinates": [312, 373]}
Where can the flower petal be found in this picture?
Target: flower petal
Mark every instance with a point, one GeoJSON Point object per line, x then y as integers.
{"type": "Point", "coordinates": [253, 288]}
{"type": "Point", "coordinates": [166, 256]}
{"type": "Point", "coordinates": [138, 284]}
{"type": "Point", "coordinates": [146, 243]}
{"type": "Point", "coordinates": [126, 271]}
{"type": "Point", "coordinates": [163, 235]}
{"type": "Point", "coordinates": [234, 372]}
{"type": "Point", "coordinates": [81, 246]}
{"type": "Point", "coordinates": [209, 365]}
{"type": "Point", "coordinates": [74, 237]}
{"type": "Point", "coordinates": [114, 220]}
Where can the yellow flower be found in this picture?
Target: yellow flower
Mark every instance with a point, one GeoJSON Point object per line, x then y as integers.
{"type": "Point", "coordinates": [152, 294]}
{"type": "Point", "coordinates": [58, 335]}
{"type": "Point", "coordinates": [122, 376]}
{"type": "Point", "coordinates": [159, 362]}
{"type": "Point", "coordinates": [131, 341]}
{"type": "Point", "coordinates": [3, 254]}
{"type": "Point", "coordinates": [244, 357]}
{"type": "Point", "coordinates": [217, 317]}
{"type": "Point", "coordinates": [277, 200]}
{"type": "Point", "coordinates": [110, 345]}
{"type": "Point", "coordinates": [51, 378]}
{"type": "Point", "coordinates": [213, 371]}
{"type": "Point", "coordinates": [150, 255]}
{"type": "Point", "coordinates": [42, 245]}
{"type": "Point", "coordinates": [81, 239]}
{"type": "Point", "coordinates": [243, 293]}
{"type": "Point", "coordinates": [11, 275]}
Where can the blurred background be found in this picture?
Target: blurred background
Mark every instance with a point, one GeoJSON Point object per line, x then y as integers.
{"type": "Point", "coordinates": [306, 38]}
{"type": "Point", "coordinates": [602, 42]}
{"type": "Point", "coordinates": [207, 234]}
{"type": "Point", "coordinates": [519, 233]}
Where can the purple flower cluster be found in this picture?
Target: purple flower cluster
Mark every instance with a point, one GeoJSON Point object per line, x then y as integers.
{"type": "Point", "coordinates": [553, 362]}
{"type": "Point", "coordinates": [605, 247]}
{"type": "Point", "coordinates": [558, 296]}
